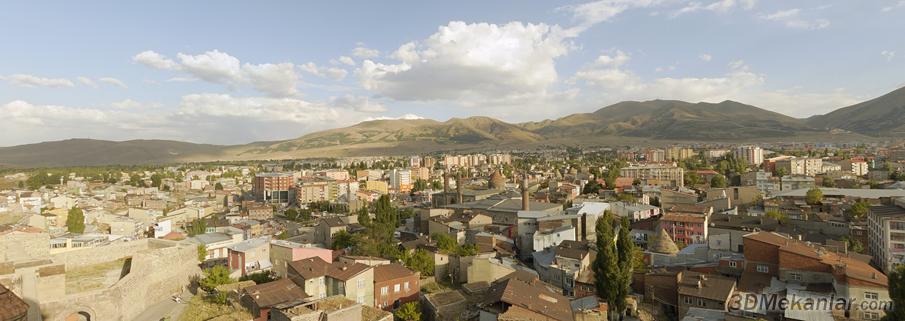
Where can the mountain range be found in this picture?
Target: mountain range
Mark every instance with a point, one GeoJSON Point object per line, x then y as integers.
{"type": "Point", "coordinates": [655, 122]}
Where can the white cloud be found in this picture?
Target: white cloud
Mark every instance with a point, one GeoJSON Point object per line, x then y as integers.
{"type": "Point", "coordinates": [357, 103]}
{"type": "Point", "coordinates": [87, 82]}
{"type": "Point", "coordinates": [888, 54]}
{"type": "Point", "coordinates": [792, 18]}
{"type": "Point", "coordinates": [113, 81]}
{"type": "Point", "coordinates": [720, 6]}
{"type": "Point", "coordinates": [324, 72]}
{"type": "Point", "coordinates": [347, 60]}
{"type": "Point", "coordinates": [155, 60]}
{"type": "Point", "coordinates": [405, 117]}
{"type": "Point", "coordinates": [471, 63]}
{"type": "Point", "coordinates": [592, 13]}
{"type": "Point", "coordinates": [31, 81]}
{"type": "Point", "coordinates": [613, 83]}
{"type": "Point", "coordinates": [364, 52]}
{"type": "Point", "coordinates": [705, 57]}
{"type": "Point", "coordinates": [279, 80]}
{"type": "Point", "coordinates": [894, 6]}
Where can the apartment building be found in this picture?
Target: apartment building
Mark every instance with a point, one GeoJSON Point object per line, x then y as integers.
{"type": "Point", "coordinates": [320, 279]}
{"type": "Point", "coordinates": [886, 236]}
{"type": "Point", "coordinates": [656, 174]}
{"type": "Point", "coordinates": [272, 187]}
{"type": "Point", "coordinates": [395, 285]}
{"type": "Point", "coordinates": [807, 166]}
{"type": "Point", "coordinates": [753, 155]}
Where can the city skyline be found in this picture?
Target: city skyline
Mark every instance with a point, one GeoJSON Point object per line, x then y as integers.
{"type": "Point", "coordinates": [234, 74]}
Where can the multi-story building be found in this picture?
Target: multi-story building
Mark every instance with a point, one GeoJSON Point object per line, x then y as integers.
{"type": "Point", "coordinates": [855, 167]}
{"type": "Point", "coordinates": [395, 285]}
{"type": "Point", "coordinates": [273, 187]}
{"type": "Point", "coordinates": [314, 189]}
{"type": "Point", "coordinates": [401, 180]}
{"type": "Point", "coordinates": [679, 153]}
{"type": "Point", "coordinates": [656, 174]}
{"type": "Point", "coordinates": [886, 236]}
{"type": "Point", "coordinates": [655, 155]}
{"type": "Point", "coordinates": [320, 279]}
{"type": "Point", "coordinates": [334, 174]}
{"type": "Point", "coordinates": [753, 155]}
{"type": "Point", "coordinates": [808, 166]}
{"type": "Point", "coordinates": [687, 223]}
{"type": "Point", "coordinates": [249, 256]}
{"type": "Point", "coordinates": [772, 255]}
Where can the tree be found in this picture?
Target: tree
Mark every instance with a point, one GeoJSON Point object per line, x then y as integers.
{"type": "Point", "coordinates": [718, 181]}
{"type": "Point", "coordinates": [859, 210]}
{"type": "Point", "coordinates": [156, 179]}
{"type": "Point", "coordinates": [592, 187]}
{"type": "Point", "coordinates": [291, 214]}
{"type": "Point", "coordinates": [692, 178]}
{"type": "Point", "coordinates": [342, 240]}
{"type": "Point", "coordinates": [814, 196]}
{"type": "Point", "coordinates": [202, 252]}
{"type": "Point", "coordinates": [409, 312]}
{"type": "Point", "coordinates": [364, 218]}
{"type": "Point", "coordinates": [214, 277]}
{"type": "Point", "coordinates": [897, 294]}
{"type": "Point", "coordinates": [777, 215]}
{"type": "Point", "coordinates": [197, 227]}
{"type": "Point", "coordinates": [419, 185]}
{"type": "Point", "coordinates": [420, 261]}
{"type": "Point", "coordinates": [218, 186]}
{"type": "Point", "coordinates": [613, 265]}
{"type": "Point", "coordinates": [75, 221]}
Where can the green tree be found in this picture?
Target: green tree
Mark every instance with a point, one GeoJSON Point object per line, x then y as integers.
{"type": "Point", "coordinates": [364, 218]}
{"type": "Point", "coordinates": [197, 227]}
{"type": "Point", "coordinates": [776, 215]}
{"type": "Point", "coordinates": [420, 185]}
{"type": "Point", "coordinates": [613, 266]}
{"type": "Point", "coordinates": [692, 178]}
{"type": "Point", "coordinates": [829, 182]}
{"type": "Point", "coordinates": [718, 181]}
{"type": "Point", "coordinates": [218, 186]}
{"type": "Point", "coordinates": [291, 214]}
{"type": "Point", "coordinates": [343, 239]}
{"type": "Point", "coordinates": [75, 221]}
{"type": "Point", "coordinates": [814, 196]}
{"type": "Point", "coordinates": [592, 187]}
{"type": "Point", "coordinates": [409, 312]}
{"type": "Point", "coordinates": [859, 210]}
{"type": "Point", "coordinates": [419, 261]}
{"type": "Point", "coordinates": [156, 179]}
{"type": "Point", "coordinates": [202, 252]}
{"type": "Point", "coordinates": [214, 277]}
{"type": "Point", "coordinates": [897, 294]}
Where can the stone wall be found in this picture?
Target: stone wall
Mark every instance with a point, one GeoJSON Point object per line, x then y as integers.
{"type": "Point", "coordinates": [158, 269]}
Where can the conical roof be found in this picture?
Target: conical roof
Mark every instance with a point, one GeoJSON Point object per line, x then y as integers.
{"type": "Point", "coordinates": [497, 180]}
{"type": "Point", "coordinates": [663, 244]}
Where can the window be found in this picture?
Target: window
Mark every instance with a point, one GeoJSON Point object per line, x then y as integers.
{"type": "Point", "coordinates": [733, 264]}
{"type": "Point", "coordinates": [871, 315]}
{"type": "Point", "coordinates": [795, 276]}
{"type": "Point", "coordinates": [384, 290]}
{"type": "Point", "coordinates": [406, 287]}
{"type": "Point", "coordinates": [396, 288]}
{"type": "Point", "coordinates": [688, 300]}
{"type": "Point", "coordinates": [763, 268]}
{"type": "Point", "coordinates": [700, 302]}
{"type": "Point", "coordinates": [361, 299]}
{"type": "Point", "coordinates": [871, 296]}
{"type": "Point", "coordinates": [361, 284]}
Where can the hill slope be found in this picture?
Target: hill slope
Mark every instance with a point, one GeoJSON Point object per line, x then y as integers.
{"type": "Point", "coordinates": [89, 152]}
{"type": "Point", "coordinates": [670, 119]}
{"type": "Point", "coordinates": [884, 115]}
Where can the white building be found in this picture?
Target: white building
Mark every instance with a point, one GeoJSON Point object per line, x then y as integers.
{"type": "Point", "coordinates": [754, 155]}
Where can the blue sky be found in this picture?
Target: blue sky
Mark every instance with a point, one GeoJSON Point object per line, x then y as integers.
{"type": "Point", "coordinates": [235, 72]}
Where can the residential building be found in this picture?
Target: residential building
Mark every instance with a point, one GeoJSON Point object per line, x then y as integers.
{"type": "Point", "coordinates": [262, 298]}
{"type": "Point", "coordinates": [753, 155]}
{"type": "Point", "coordinates": [273, 187]}
{"type": "Point", "coordinates": [703, 291]}
{"type": "Point", "coordinates": [250, 256]}
{"type": "Point", "coordinates": [320, 279]}
{"type": "Point", "coordinates": [656, 174]}
{"type": "Point", "coordinates": [886, 236]}
{"type": "Point", "coordinates": [687, 224]}
{"type": "Point", "coordinates": [522, 296]}
{"type": "Point", "coordinates": [283, 252]}
{"type": "Point", "coordinates": [395, 285]}
{"type": "Point", "coordinates": [807, 166]}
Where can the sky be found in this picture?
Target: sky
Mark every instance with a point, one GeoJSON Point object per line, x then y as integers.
{"type": "Point", "coordinates": [231, 72]}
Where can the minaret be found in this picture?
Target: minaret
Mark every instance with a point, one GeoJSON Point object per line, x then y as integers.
{"type": "Point", "coordinates": [459, 188]}
{"type": "Point", "coordinates": [446, 188]}
{"type": "Point", "coordinates": [525, 203]}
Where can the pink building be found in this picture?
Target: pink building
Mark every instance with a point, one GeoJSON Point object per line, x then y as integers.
{"type": "Point", "coordinates": [284, 252]}
{"type": "Point", "coordinates": [687, 223]}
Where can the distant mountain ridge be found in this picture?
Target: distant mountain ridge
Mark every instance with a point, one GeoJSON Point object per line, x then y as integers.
{"type": "Point", "coordinates": [654, 120]}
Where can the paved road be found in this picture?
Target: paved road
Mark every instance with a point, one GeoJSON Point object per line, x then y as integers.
{"type": "Point", "coordinates": [162, 309]}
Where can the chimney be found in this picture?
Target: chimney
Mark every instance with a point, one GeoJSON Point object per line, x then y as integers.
{"type": "Point", "coordinates": [525, 201]}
